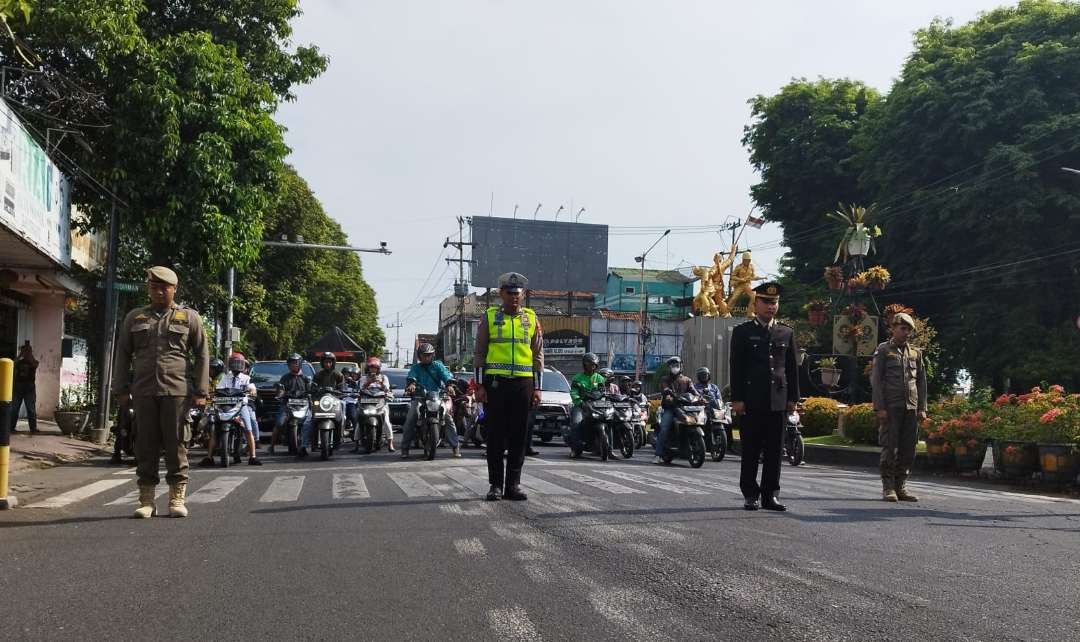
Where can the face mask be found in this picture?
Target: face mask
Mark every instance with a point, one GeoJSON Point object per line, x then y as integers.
{"type": "Point", "coordinates": [676, 371]}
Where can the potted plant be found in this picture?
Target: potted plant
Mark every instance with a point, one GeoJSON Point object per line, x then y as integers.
{"type": "Point", "coordinates": [855, 311]}
{"type": "Point", "coordinates": [834, 277]}
{"type": "Point", "coordinates": [830, 374]}
{"type": "Point", "coordinates": [859, 235]}
{"type": "Point", "coordinates": [1012, 417]}
{"type": "Point", "coordinates": [875, 278]}
{"type": "Point", "coordinates": [893, 309]}
{"type": "Point", "coordinates": [967, 438]}
{"type": "Point", "coordinates": [1059, 437]}
{"type": "Point", "coordinates": [817, 311]}
{"type": "Point", "coordinates": [854, 284]}
{"type": "Point", "coordinates": [73, 411]}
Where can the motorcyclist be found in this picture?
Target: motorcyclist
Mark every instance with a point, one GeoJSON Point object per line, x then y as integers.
{"type": "Point", "coordinates": [292, 385]}
{"type": "Point", "coordinates": [429, 374]}
{"type": "Point", "coordinates": [327, 377]}
{"type": "Point", "coordinates": [704, 385]}
{"type": "Point", "coordinates": [586, 381]}
{"type": "Point", "coordinates": [217, 367]}
{"type": "Point", "coordinates": [238, 379]}
{"type": "Point", "coordinates": [373, 377]}
{"type": "Point", "coordinates": [673, 384]}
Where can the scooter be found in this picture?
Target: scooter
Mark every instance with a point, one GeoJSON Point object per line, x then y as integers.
{"type": "Point", "coordinates": [328, 419]}
{"type": "Point", "coordinates": [369, 419]}
{"type": "Point", "coordinates": [431, 416]}
{"type": "Point", "coordinates": [225, 421]}
{"type": "Point", "coordinates": [296, 414]}
{"type": "Point", "coordinates": [793, 439]}
{"type": "Point", "coordinates": [717, 425]}
{"type": "Point", "coordinates": [123, 431]}
{"type": "Point", "coordinates": [687, 440]}
{"type": "Point", "coordinates": [623, 424]}
{"type": "Point", "coordinates": [597, 414]}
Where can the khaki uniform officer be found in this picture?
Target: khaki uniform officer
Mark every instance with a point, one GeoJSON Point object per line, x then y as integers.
{"type": "Point", "coordinates": [899, 381]}
{"type": "Point", "coordinates": [157, 341]}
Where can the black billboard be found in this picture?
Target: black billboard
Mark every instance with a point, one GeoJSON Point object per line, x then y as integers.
{"type": "Point", "coordinates": [553, 255]}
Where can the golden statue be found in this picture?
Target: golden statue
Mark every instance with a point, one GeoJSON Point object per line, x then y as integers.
{"type": "Point", "coordinates": [721, 265]}
{"type": "Point", "coordinates": [704, 302]}
{"type": "Point", "coordinates": [742, 282]}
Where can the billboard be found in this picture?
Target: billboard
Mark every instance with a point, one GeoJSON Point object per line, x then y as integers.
{"type": "Point", "coordinates": [554, 255]}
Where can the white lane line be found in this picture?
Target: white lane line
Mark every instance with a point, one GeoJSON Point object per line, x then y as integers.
{"type": "Point", "coordinates": [215, 490]}
{"type": "Point", "coordinates": [597, 483]}
{"type": "Point", "coordinates": [350, 486]}
{"type": "Point", "coordinates": [413, 485]}
{"type": "Point", "coordinates": [79, 494]}
{"type": "Point", "coordinates": [468, 479]}
{"type": "Point", "coordinates": [448, 488]}
{"type": "Point", "coordinates": [542, 487]}
{"type": "Point", "coordinates": [512, 624]}
{"type": "Point", "coordinates": [451, 509]}
{"type": "Point", "coordinates": [284, 488]}
{"type": "Point", "coordinates": [648, 481]}
{"type": "Point", "coordinates": [132, 498]}
{"type": "Point", "coordinates": [695, 481]}
{"type": "Point", "coordinates": [471, 546]}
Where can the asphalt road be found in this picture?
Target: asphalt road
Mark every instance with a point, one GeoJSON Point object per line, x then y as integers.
{"type": "Point", "coordinates": [369, 547]}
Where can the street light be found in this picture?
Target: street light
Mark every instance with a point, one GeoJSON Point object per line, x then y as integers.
{"type": "Point", "coordinates": [641, 306]}
{"type": "Point", "coordinates": [579, 213]}
{"type": "Point", "coordinates": [561, 208]}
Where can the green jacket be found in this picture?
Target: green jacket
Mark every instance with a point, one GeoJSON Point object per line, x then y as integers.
{"type": "Point", "coordinates": [584, 383]}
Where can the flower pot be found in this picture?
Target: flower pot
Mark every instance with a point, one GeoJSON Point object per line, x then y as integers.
{"type": "Point", "coordinates": [830, 376]}
{"type": "Point", "coordinates": [939, 453]}
{"type": "Point", "coordinates": [968, 455]}
{"type": "Point", "coordinates": [1019, 459]}
{"type": "Point", "coordinates": [71, 423]}
{"type": "Point", "coordinates": [1060, 463]}
{"type": "Point", "coordinates": [875, 286]}
{"type": "Point", "coordinates": [817, 317]}
{"type": "Point", "coordinates": [858, 244]}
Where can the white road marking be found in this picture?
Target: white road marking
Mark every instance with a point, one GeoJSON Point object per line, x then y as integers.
{"type": "Point", "coordinates": [350, 486]}
{"type": "Point", "coordinates": [413, 485]}
{"type": "Point", "coordinates": [597, 483]}
{"type": "Point", "coordinates": [451, 509]}
{"type": "Point", "coordinates": [471, 546]}
{"type": "Point", "coordinates": [648, 481]}
{"type": "Point", "coordinates": [544, 488]}
{"type": "Point", "coordinates": [284, 488]}
{"type": "Point", "coordinates": [468, 479]}
{"type": "Point", "coordinates": [696, 481]}
{"type": "Point", "coordinates": [79, 494]}
{"type": "Point", "coordinates": [215, 490]}
{"type": "Point", "coordinates": [448, 488]}
{"type": "Point", "coordinates": [512, 624]}
{"type": "Point", "coordinates": [132, 498]}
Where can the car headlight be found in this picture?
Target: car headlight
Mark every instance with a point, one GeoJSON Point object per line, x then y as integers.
{"type": "Point", "coordinates": [326, 403]}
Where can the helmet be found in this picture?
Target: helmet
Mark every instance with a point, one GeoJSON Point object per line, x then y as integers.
{"type": "Point", "coordinates": [607, 373]}
{"type": "Point", "coordinates": [216, 365]}
{"type": "Point", "coordinates": [590, 357]}
{"type": "Point", "coordinates": [237, 361]}
{"type": "Point", "coordinates": [348, 371]}
{"type": "Point", "coordinates": [426, 348]}
{"type": "Point", "coordinates": [373, 362]}
{"type": "Point", "coordinates": [674, 365]}
{"type": "Point", "coordinates": [635, 385]}
{"type": "Point", "coordinates": [328, 356]}
{"type": "Point", "coordinates": [703, 374]}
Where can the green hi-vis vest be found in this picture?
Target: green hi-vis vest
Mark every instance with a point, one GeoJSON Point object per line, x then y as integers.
{"type": "Point", "coordinates": [509, 352]}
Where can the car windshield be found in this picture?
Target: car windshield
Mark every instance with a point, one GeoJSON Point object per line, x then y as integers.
{"type": "Point", "coordinates": [555, 382]}
{"type": "Point", "coordinates": [397, 380]}
{"type": "Point", "coordinates": [272, 371]}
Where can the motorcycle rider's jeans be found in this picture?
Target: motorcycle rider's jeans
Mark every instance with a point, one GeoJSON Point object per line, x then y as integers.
{"type": "Point", "coordinates": [667, 420]}
{"type": "Point", "coordinates": [247, 414]}
{"type": "Point", "coordinates": [408, 433]}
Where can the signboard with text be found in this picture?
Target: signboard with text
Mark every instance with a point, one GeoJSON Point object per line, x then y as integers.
{"type": "Point", "coordinates": [565, 343]}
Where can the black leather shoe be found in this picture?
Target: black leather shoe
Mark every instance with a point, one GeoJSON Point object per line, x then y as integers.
{"type": "Point", "coordinates": [514, 494]}
{"type": "Point", "coordinates": [750, 504]}
{"type": "Point", "coordinates": [772, 504]}
{"type": "Point", "coordinates": [493, 493]}
{"type": "Point", "coordinates": [207, 462]}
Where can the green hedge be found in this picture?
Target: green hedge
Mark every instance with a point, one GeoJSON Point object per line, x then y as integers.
{"type": "Point", "coordinates": [820, 416]}
{"type": "Point", "coordinates": [860, 424]}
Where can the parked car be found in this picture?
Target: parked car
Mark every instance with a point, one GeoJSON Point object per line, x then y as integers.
{"type": "Point", "coordinates": [265, 375]}
{"type": "Point", "coordinates": [341, 365]}
{"type": "Point", "coordinates": [399, 405]}
{"type": "Point", "coordinates": [552, 418]}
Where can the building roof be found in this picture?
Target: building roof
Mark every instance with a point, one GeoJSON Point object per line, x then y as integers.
{"type": "Point", "coordinates": [561, 294]}
{"type": "Point", "coordinates": [617, 315]}
{"type": "Point", "coordinates": [653, 276]}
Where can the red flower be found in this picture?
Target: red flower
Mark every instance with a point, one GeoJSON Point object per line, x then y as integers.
{"type": "Point", "coordinates": [1050, 415]}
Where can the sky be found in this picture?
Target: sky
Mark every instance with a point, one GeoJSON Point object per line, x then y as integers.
{"type": "Point", "coordinates": [634, 110]}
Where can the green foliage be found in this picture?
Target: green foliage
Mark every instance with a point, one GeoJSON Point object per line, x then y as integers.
{"type": "Point", "coordinates": [820, 416]}
{"type": "Point", "coordinates": [13, 8]}
{"type": "Point", "coordinates": [861, 424]}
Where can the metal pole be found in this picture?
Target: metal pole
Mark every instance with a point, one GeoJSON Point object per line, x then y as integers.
{"type": "Point", "coordinates": [461, 292]}
{"type": "Point", "coordinates": [231, 285]}
{"type": "Point", "coordinates": [7, 373]}
{"type": "Point", "coordinates": [100, 433]}
{"type": "Point", "coordinates": [641, 308]}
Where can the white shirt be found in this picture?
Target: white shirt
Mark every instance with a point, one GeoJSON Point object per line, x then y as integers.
{"type": "Point", "coordinates": [230, 381]}
{"type": "Point", "coordinates": [380, 380]}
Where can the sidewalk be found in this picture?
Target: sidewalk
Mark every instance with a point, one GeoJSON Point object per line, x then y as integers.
{"type": "Point", "coordinates": [47, 447]}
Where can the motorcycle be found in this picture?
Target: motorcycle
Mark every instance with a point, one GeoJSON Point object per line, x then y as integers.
{"type": "Point", "coordinates": [369, 420]}
{"type": "Point", "coordinates": [227, 425]}
{"type": "Point", "coordinates": [328, 419]}
{"type": "Point", "coordinates": [123, 431]}
{"type": "Point", "coordinates": [464, 414]}
{"type": "Point", "coordinates": [431, 415]}
{"type": "Point", "coordinates": [793, 440]}
{"type": "Point", "coordinates": [296, 413]}
{"type": "Point", "coordinates": [687, 438]}
{"type": "Point", "coordinates": [597, 412]}
{"type": "Point", "coordinates": [717, 424]}
{"type": "Point", "coordinates": [623, 424]}
{"type": "Point", "coordinates": [640, 415]}
{"type": "Point", "coordinates": [199, 435]}
{"type": "Point", "coordinates": [475, 435]}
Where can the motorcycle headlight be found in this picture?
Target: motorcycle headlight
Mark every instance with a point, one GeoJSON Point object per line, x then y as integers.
{"type": "Point", "coordinates": [371, 410]}
{"type": "Point", "coordinates": [326, 403]}
{"type": "Point", "coordinates": [609, 413]}
{"type": "Point", "coordinates": [793, 418]}
{"type": "Point", "coordinates": [433, 405]}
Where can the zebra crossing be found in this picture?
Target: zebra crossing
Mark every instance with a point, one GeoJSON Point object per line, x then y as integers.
{"type": "Point", "coordinates": [458, 482]}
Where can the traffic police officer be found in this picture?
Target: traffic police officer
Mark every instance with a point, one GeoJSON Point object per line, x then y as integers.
{"type": "Point", "coordinates": [157, 341]}
{"type": "Point", "coordinates": [899, 382]}
{"type": "Point", "coordinates": [509, 362]}
{"type": "Point", "coordinates": [764, 385]}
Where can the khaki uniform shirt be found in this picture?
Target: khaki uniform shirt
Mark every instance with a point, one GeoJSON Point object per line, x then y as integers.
{"type": "Point", "coordinates": [898, 378]}
{"type": "Point", "coordinates": [157, 346]}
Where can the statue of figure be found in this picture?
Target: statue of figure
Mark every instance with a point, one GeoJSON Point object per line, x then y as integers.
{"type": "Point", "coordinates": [742, 282]}
{"type": "Point", "coordinates": [704, 305]}
{"type": "Point", "coordinates": [720, 265]}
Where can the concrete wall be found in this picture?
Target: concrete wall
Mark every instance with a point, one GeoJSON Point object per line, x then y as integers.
{"type": "Point", "coordinates": [707, 342]}
{"type": "Point", "coordinates": [47, 313]}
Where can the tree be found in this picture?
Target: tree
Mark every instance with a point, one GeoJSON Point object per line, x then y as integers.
{"type": "Point", "coordinates": [291, 297]}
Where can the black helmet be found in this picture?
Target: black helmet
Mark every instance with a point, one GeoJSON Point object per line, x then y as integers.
{"type": "Point", "coordinates": [590, 357]}
{"type": "Point", "coordinates": [426, 348]}
{"type": "Point", "coordinates": [607, 373]}
{"type": "Point", "coordinates": [328, 356]}
{"type": "Point", "coordinates": [703, 374]}
{"type": "Point", "coordinates": [216, 364]}
{"type": "Point", "coordinates": [348, 370]}
{"type": "Point", "coordinates": [294, 357]}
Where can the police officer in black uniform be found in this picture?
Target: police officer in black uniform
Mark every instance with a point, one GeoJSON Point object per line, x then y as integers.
{"type": "Point", "coordinates": [764, 385]}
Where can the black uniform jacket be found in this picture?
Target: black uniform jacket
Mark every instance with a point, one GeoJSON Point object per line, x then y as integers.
{"type": "Point", "coordinates": [764, 371]}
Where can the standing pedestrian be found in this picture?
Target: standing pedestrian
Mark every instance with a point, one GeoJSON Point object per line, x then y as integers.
{"type": "Point", "coordinates": [25, 387]}
{"type": "Point", "coordinates": [764, 385]}
{"type": "Point", "coordinates": [509, 363]}
{"type": "Point", "coordinates": [899, 387]}
{"type": "Point", "coordinates": [158, 341]}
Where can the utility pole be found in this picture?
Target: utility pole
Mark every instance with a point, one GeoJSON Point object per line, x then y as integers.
{"type": "Point", "coordinates": [101, 430]}
{"type": "Point", "coordinates": [461, 287]}
{"type": "Point", "coordinates": [639, 366]}
{"type": "Point", "coordinates": [397, 339]}
{"type": "Point", "coordinates": [732, 227]}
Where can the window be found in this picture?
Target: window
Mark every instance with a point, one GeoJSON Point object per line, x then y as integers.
{"type": "Point", "coordinates": [660, 299]}
{"type": "Point", "coordinates": [629, 290]}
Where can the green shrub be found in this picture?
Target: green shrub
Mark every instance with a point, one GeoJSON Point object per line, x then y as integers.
{"type": "Point", "coordinates": [861, 424]}
{"type": "Point", "coordinates": [820, 416]}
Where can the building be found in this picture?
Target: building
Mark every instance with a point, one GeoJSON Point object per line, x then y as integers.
{"type": "Point", "coordinates": [36, 288]}
{"type": "Point", "coordinates": [670, 293]}
{"type": "Point", "coordinates": [613, 336]}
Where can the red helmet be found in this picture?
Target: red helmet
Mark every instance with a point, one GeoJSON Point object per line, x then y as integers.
{"type": "Point", "coordinates": [373, 361]}
{"type": "Point", "coordinates": [237, 361]}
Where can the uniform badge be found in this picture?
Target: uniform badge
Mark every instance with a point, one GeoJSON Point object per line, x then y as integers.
{"type": "Point", "coordinates": [180, 316]}
{"type": "Point", "coordinates": [141, 317]}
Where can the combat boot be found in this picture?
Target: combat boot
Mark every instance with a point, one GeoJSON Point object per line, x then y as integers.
{"type": "Point", "coordinates": [888, 493]}
{"type": "Point", "coordinates": [146, 508]}
{"type": "Point", "coordinates": [903, 495]}
{"type": "Point", "coordinates": [177, 492]}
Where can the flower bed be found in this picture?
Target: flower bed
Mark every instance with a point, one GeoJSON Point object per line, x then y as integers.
{"type": "Point", "coordinates": [819, 416]}
{"type": "Point", "coordinates": [861, 424]}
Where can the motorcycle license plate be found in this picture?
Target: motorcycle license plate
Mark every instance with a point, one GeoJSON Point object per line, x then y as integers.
{"type": "Point", "coordinates": [622, 405]}
{"type": "Point", "coordinates": [693, 409]}
{"type": "Point", "coordinates": [602, 404]}
{"type": "Point", "coordinates": [228, 401]}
